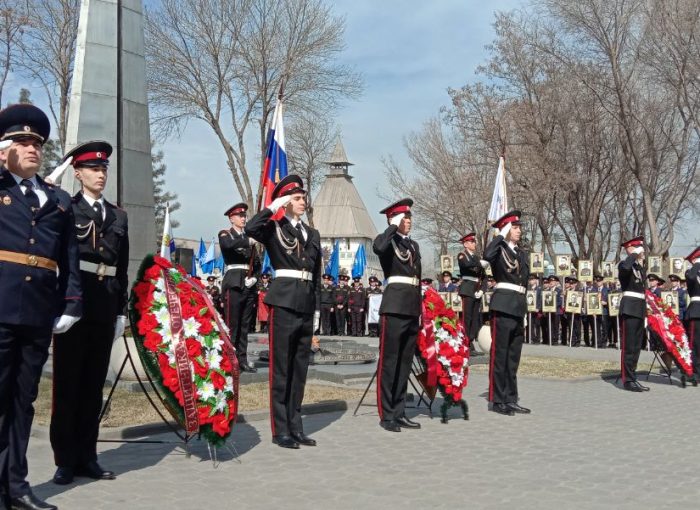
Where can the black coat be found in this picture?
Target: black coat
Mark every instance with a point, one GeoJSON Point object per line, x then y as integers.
{"type": "Point", "coordinates": [236, 249]}
{"type": "Point", "coordinates": [469, 265]}
{"type": "Point", "coordinates": [692, 278]}
{"type": "Point", "coordinates": [299, 295]}
{"type": "Point", "coordinates": [34, 296]}
{"type": "Point", "coordinates": [108, 243]}
{"type": "Point", "coordinates": [399, 298]}
{"type": "Point", "coordinates": [499, 254]}
{"type": "Point", "coordinates": [327, 295]}
{"type": "Point", "coordinates": [632, 279]}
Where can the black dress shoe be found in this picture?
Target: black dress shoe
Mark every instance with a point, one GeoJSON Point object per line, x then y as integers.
{"type": "Point", "coordinates": [93, 470]}
{"type": "Point", "coordinates": [245, 367]}
{"type": "Point", "coordinates": [406, 423]}
{"type": "Point", "coordinates": [390, 425]}
{"type": "Point", "coordinates": [285, 442]}
{"type": "Point", "coordinates": [30, 502]}
{"type": "Point", "coordinates": [632, 386]}
{"type": "Point", "coordinates": [516, 408]}
{"type": "Point", "coordinates": [303, 439]}
{"type": "Point", "coordinates": [63, 475]}
{"type": "Point", "coordinates": [644, 388]}
{"type": "Point", "coordinates": [502, 409]}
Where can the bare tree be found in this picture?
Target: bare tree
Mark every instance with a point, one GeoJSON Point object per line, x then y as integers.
{"type": "Point", "coordinates": [13, 22]}
{"type": "Point", "coordinates": [222, 61]}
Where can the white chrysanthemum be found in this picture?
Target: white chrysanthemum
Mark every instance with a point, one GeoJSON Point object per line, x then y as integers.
{"type": "Point", "coordinates": [206, 390]}
{"type": "Point", "coordinates": [217, 344]}
{"type": "Point", "coordinates": [160, 298]}
{"type": "Point", "coordinates": [163, 317]}
{"type": "Point", "coordinates": [229, 384]}
{"type": "Point", "coordinates": [160, 284]}
{"type": "Point", "coordinates": [190, 327]}
{"type": "Point", "coordinates": [171, 357]}
{"type": "Point", "coordinates": [221, 403]}
{"type": "Point", "coordinates": [213, 359]}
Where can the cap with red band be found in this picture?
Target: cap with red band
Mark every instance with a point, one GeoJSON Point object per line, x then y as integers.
{"type": "Point", "coordinates": [634, 242]}
{"type": "Point", "coordinates": [92, 153]}
{"type": "Point", "coordinates": [510, 217]}
{"type": "Point", "coordinates": [694, 255]}
{"type": "Point", "coordinates": [471, 236]}
{"type": "Point", "coordinates": [288, 186]}
{"type": "Point", "coordinates": [402, 206]}
{"type": "Point", "coordinates": [239, 208]}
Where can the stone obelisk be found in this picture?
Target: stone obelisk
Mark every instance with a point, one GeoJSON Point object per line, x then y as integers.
{"type": "Point", "coordinates": [109, 102]}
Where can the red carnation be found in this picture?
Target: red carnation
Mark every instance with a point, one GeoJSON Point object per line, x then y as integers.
{"type": "Point", "coordinates": [218, 380]}
{"type": "Point", "coordinates": [204, 417]}
{"type": "Point", "coordinates": [162, 262]}
{"type": "Point", "coordinates": [194, 348]}
{"type": "Point", "coordinates": [200, 368]}
{"type": "Point", "coordinates": [147, 323]}
{"type": "Point", "coordinates": [205, 326]}
{"type": "Point", "coordinates": [152, 273]}
{"type": "Point", "coordinates": [152, 341]}
{"type": "Point", "coordinates": [220, 424]}
{"type": "Point", "coordinates": [226, 364]}
{"type": "Point", "coordinates": [179, 397]}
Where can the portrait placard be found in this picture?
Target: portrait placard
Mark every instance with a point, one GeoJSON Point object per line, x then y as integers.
{"type": "Point", "coordinates": [585, 270]}
{"type": "Point", "coordinates": [549, 302]}
{"type": "Point", "coordinates": [446, 298]}
{"type": "Point", "coordinates": [655, 265]}
{"type": "Point", "coordinates": [607, 270]}
{"type": "Point", "coordinates": [593, 303]}
{"type": "Point", "coordinates": [574, 299]}
{"type": "Point", "coordinates": [485, 300]}
{"type": "Point", "coordinates": [446, 263]}
{"type": "Point", "coordinates": [537, 262]}
{"type": "Point", "coordinates": [531, 298]}
{"type": "Point", "coordinates": [374, 302]}
{"type": "Point", "coordinates": [614, 303]}
{"type": "Point", "coordinates": [488, 271]}
{"type": "Point", "coordinates": [670, 298]}
{"type": "Point", "coordinates": [675, 266]}
{"type": "Point", "coordinates": [563, 267]}
{"type": "Point", "coordinates": [456, 302]}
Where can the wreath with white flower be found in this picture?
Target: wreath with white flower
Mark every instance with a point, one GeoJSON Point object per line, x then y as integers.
{"type": "Point", "coordinates": [665, 323]}
{"type": "Point", "coordinates": [184, 347]}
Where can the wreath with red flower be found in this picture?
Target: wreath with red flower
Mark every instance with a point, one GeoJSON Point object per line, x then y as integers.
{"type": "Point", "coordinates": [184, 347]}
{"type": "Point", "coordinates": [445, 351]}
{"type": "Point", "coordinates": [665, 323]}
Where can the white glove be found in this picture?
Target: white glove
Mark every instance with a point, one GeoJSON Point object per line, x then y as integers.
{"type": "Point", "coordinates": [5, 144]}
{"type": "Point", "coordinates": [639, 250]}
{"type": "Point", "coordinates": [317, 320]}
{"type": "Point", "coordinates": [484, 263]}
{"type": "Point", "coordinates": [396, 220]}
{"type": "Point", "coordinates": [279, 202]}
{"type": "Point", "coordinates": [64, 323]}
{"type": "Point", "coordinates": [478, 294]}
{"type": "Point", "coordinates": [504, 231]}
{"type": "Point", "coordinates": [57, 173]}
{"type": "Point", "coordinates": [119, 326]}
{"type": "Point", "coordinates": [249, 282]}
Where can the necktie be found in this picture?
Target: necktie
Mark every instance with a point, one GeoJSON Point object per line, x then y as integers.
{"type": "Point", "coordinates": [32, 197]}
{"type": "Point", "coordinates": [300, 232]}
{"type": "Point", "coordinates": [98, 210]}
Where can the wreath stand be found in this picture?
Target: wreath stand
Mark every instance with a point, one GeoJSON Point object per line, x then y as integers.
{"type": "Point", "coordinates": [658, 360]}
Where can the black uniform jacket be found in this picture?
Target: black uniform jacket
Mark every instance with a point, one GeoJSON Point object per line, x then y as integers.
{"type": "Point", "coordinates": [302, 296]}
{"type": "Point", "coordinates": [236, 249]}
{"type": "Point", "coordinates": [692, 278]}
{"type": "Point", "coordinates": [399, 298]}
{"type": "Point", "coordinates": [107, 244]}
{"type": "Point", "coordinates": [512, 267]}
{"type": "Point", "coordinates": [469, 265]}
{"type": "Point", "coordinates": [327, 295]}
{"type": "Point", "coordinates": [632, 279]}
{"type": "Point", "coordinates": [30, 295]}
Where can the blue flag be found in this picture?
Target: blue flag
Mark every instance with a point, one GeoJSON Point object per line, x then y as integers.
{"type": "Point", "coordinates": [333, 266]}
{"type": "Point", "coordinates": [202, 250]}
{"type": "Point", "coordinates": [219, 263]}
{"type": "Point", "coordinates": [360, 262]}
{"type": "Point", "coordinates": [267, 266]}
{"type": "Point", "coordinates": [207, 262]}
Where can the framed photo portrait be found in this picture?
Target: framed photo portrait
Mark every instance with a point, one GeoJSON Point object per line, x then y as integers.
{"type": "Point", "coordinates": [655, 265]}
{"type": "Point", "coordinates": [670, 298]}
{"type": "Point", "coordinates": [593, 303]}
{"type": "Point", "coordinates": [607, 270]}
{"type": "Point", "coordinates": [585, 270]}
{"type": "Point", "coordinates": [563, 266]}
{"type": "Point", "coordinates": [531, 298]}
{"type": "Point", "coordinates": [549, 301]}
{"type": "Point", "coordinates": [446, 263]}
{"type": "Point", "coordinates": [456, 302]}
{"type": "Point", "coordinates": [614, 303]}
{"type": "Point", "coordinates": [446, 298]}
{"type": "Point", "coordinates": [676, 266]}
{"type": "Point", "coordinates": [537, 262]}
{"type": "Point", "coordinates": [574, 300]}
{"type": "Point", "coordinates": [485, 300]}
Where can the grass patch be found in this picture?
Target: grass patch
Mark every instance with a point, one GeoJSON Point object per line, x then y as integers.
{"type": "Point", "coordinates": [132, 408]}
{"type": "Point", "coordinates": [563, 368]}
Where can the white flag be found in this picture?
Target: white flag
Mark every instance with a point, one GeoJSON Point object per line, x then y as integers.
{"type": "Point", "coordinates": [499, 200]}
{"type": "Point", "coordinates": [167, 244]}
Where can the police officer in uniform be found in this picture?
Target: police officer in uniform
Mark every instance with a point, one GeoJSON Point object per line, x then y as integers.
{"type": "Point", "coordinates": [295, 252]}
{"type": "Point", "coordinates": [342, 294]}
{"type": "Point", "coordinates": [692, 313]}
{"type": "Point", "coordinates": [39, 287]}
{"type": "Point", "coordinates": [81, 355]}
{"type": "Point", "coordinates": [632, 311]}
{"type": "Point", "coordinates": [471, 269]}
{"type": "Point", "coordinates": [357, 304]}
{"type": "Point", "coordinates": [238, 288]}
{"type": "Point", "coordinates": [327, 303]}
{"type": "Point", "coordinates": [511, 269]}
{"type": "Point", "coordinates": [374, 288]}
{"type": "Point", "coordinates": [399, 313]}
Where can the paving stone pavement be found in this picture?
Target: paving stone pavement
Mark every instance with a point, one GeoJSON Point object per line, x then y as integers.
{"type": "Point", "coordinates": [587, 445]}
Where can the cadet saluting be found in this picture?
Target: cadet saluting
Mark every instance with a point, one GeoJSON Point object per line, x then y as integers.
{"type": "Point", "coordinates": [39, 289]}
{"type": "Point", "coordinates": [81, 356]}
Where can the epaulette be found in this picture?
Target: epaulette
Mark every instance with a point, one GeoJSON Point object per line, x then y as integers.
{"type": "Point", "coordinates": [223, 233]}
{"type": "Point", "coordinates": [460, 256]}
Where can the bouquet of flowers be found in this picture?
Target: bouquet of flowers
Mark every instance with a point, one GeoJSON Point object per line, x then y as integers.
{"type": "Point", "coordinates": [445, 351]}
{"type": "Point", "coordinates": [185, 349]}
{"type": "Point", "coordinates": [665, 323]}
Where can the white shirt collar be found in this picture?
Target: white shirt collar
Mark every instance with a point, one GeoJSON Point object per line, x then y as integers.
{"type": "Point", "coordinates": [91, 201]}
{"type": "Point", "coordinates": [512, 245]}
{"type": "Point", "coordinates": [293, 221]}
{"type": "Point", "coordinates": [19, 179]}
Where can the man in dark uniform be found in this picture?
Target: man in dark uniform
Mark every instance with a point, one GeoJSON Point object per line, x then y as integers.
{"type": "Point", "coordinates": [294, 249]}
{"type": "Point", "coordinates": [632, 311]}
{"type": "Point", "coordinates": [400, 310]}
{"type": "Point", "coordinates": [327, 303]}
{"type": "Point", "coordinates": [39, 289]}
{"type": "Point", "coordinates": [681, 295]}
{"type": "Point", "coordinates": [342, 294]}
{"type": "Point", "coordinates": [511, 269]}
{"type": "Point", "coordinates": [374, 288]}
{"type": "Point", "coordinates": [570, 322]}
{"type": "Point", "coordinates": [655, 283]}
{"type": "Point", "coordinates": [533, 286]}
{"type": "Point", "coordinates": [238, 287]}
{"type": "Point", "coordinates": [356, 305]}
{"type": "Point", "coordinates": [692, 277]}
{"type": "Point", "coordinates": [471, 269]}
{"type": "Point", "coordinates": [81, 355]}
{"type": "Point", "coordinates": [215, 293]}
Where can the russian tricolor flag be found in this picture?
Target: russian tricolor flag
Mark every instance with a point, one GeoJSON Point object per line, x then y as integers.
{"type": "Point", "coordinates": [275, 168]}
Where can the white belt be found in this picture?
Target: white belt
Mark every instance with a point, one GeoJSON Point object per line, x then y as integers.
{"type": "Point", "coordinates": [694, 299]}
{"type": "Point", "coordinates": [293, 273]}
{"type": "Point", "coordinates": [511, 286]}
{"type": "Point", "coordinates": [408, 280]}
{"type": "Point", "coordinates": [236, 266]}
{"type": "Point", "coordinates": [98, 269]}
{"type": "Point", "coordinates": [470, 278]}
{"type": "Point", "coordinates": [637, 295]}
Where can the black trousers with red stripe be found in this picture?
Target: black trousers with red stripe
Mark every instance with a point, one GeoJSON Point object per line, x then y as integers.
{"type": "Point", "coordinates": [80, 364]}
{"type": "Point", "coordinates": [507, 335]}
{"type": "Point", "coordinates": [694, 341]}
{"type": "Point", "coordinates": [290, 352]}
{"type": "Point", "coordinates": [631, 345]}
{"type": "Point", "coordinates": [472, 317]}
{"type": "Point", "coordinates": [397, 346]}
{"type": "Point", "coordinates": [239, 306]}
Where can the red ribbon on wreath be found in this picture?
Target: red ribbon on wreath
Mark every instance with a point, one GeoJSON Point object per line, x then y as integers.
{"type": "Point", "coordinates": [429, 351]}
